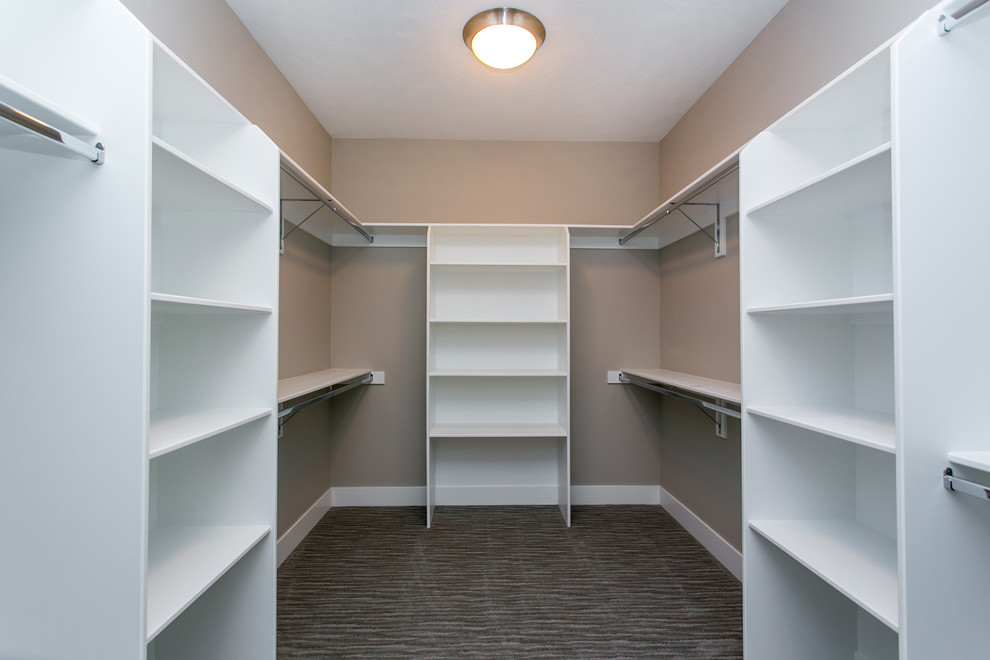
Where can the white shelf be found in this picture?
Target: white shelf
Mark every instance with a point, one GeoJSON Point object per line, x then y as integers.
{"type": "Point", "coordinates": [978, 460]}
{"type": "Point", "coordinates": [183, 562]}
{"type": "Point", "coordinates": [498, 431]}
{"type": "Point", "coordinates": [863, 427]}
{"type": "Point", "coordinates": [498, 373]}
{"type": "Point", "coordinates": [495, 265]}
{"type": "Point", "coordinates": [717, 389]}
{"type": "Point", "coordinates": [170, 432]}
{"type": "Point", "coordinates": [859, 183]}
{"type": "Point", "coordinates": [857, 561]}
{"type": "Point", "coordinates": [182, 184]}
{"type": "Point", "coordinates": [505, 321]}
{"type": "Point", "coordinates": [290, 388]}
{"type": "Point", "coordinates": [880, 303]}
{"type": "Point", "coordinates": [170, 304]}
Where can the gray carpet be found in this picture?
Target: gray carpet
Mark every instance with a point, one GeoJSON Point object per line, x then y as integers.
{"type": "Point", "coordinates": [505, 582]}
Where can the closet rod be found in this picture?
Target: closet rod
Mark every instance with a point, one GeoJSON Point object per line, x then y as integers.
{"type": "Point", "coordinates": [346, 386]}
{"type": "Point", "coordinates": [339, 209]}
{"type": "Point", "coordinates": [953, 17]}
{"type": "Point", "coordinates": [701, 403]}
{"type": "Point", "coordinates": [962, 486]}
{"type": "Point", "coordinates": [94, 154]}
{"type": "Point", "coordinates": [663, 211]}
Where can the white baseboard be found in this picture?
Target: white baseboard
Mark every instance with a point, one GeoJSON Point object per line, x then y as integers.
{"type": "Point", "coordinates": [721, 549]}
{"type": "Point", "coordinates": [379, 496]}
{"type": "Point", "coordinates": [295, 534]}
{"type": "Point", "coordinates": [598, 495]}
{"type": "Point", "coordinates": [496, 495]}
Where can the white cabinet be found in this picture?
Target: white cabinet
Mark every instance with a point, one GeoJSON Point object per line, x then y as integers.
{"type": "Point", "coordinates": [498, 361]}
{"type": "Point", "coordinates": [139, 352]}
{"type": "Point", "coordinates": [835, 252]}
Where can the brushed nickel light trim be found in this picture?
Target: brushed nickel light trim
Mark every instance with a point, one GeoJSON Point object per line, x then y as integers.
{"type": "Point", "coordinates": [504, 16]}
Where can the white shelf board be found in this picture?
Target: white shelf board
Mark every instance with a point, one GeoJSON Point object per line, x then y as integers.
{"type": "Point", "coordinates": [498, 373]}
{"type": "Point", "coordinates": [183, 562]}
{"type": "Point", "coordinates": [859, 183]}
{"type": "Point", "coordinates": [494, 265]}
{"type": "Point", "coordinates": [168, 432]}
{"type": "Point", "coordinates": [182, 96]}
{"type": "Point", "coordinates": [978, 460]}
{"type": "Point", "coordinates": [717, 389]}
{"type": "Point", "coordinates": [499, 322]}
{"type": "Point", "coordinates": [879, 303]}
{"type": "Point", "coordinates": [858, 561]}
{"type": "Point", "coordinates": [170, 304]}
{"type": "Point", "coordinates": [498, 431]}
{"type": "Point", "coordinates": [863, 427]}
{"type": "Point", "coordinates": [290, 388]}
{"type": "Point", "coordinates": [183, 184]}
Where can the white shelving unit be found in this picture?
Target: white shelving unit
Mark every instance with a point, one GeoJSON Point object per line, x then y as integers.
{"type": "Point", "coordinates": [214, 269]}
{"type": "Point", "coordinates": [863, 359]}
{"type": "Point", "coordinates": [818, 367]}
{"type": "Point", "coordinates": [498, 387]}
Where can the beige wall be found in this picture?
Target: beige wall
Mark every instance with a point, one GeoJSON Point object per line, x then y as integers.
{"type": "Point", "coordinates": [208, 36]}
{"type": "Point", "coordinates": [806, 45]}
{"type": "Point", "coordinates": [699, 334]}
{"type": "Point", "coordinates": [422, 181]}
{"type": "Point", "coordinates": [615, 316]}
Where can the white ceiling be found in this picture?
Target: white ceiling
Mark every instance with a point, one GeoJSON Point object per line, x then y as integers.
{"type": "Point", "coordinates": [615, 70]}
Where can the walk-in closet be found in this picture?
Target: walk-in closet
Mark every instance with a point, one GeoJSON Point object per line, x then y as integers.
{"type": "Point", "coordinates": [324, 336]}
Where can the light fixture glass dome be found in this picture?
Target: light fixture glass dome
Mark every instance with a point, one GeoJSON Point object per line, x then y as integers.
{"type": "Point", "coordinates": [504, 38]}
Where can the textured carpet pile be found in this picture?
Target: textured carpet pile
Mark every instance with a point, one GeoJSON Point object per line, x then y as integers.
{"type": "Point", "coordinates": [505, 582]}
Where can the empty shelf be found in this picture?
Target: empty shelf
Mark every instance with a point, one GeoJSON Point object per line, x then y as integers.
{"type": "Point", "coordinates": [863, 427]}
{"type": "Point", "coordinates": [183, 562]}
{"type": "Point", "coordinates": [170, 432]}
{"type": "Point", "coordinates": [164, 302]}
{"type": "Point", "coordinates": [290, 388]}
{"type": "Point", "coordinates": [861, 182]}
{"type": "Point", "coordinates": [499, 373]}
{"type": "Point", "coordinates": [182, 184]}
{"type": "Point", "coordinates": [717, 389]}
{"type": "Point", "coordinates": [880, 303]}
{"type": "Point", "coordinates": [858, 561]}
{"type": "Point", "coordinates": [497, 431]}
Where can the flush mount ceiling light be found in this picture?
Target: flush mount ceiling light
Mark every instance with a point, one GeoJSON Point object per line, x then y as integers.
{"type": "Point", "coordinates": [504, 38]}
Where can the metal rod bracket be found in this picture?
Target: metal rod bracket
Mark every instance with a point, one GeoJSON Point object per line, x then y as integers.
{"type": "Point", "coordinates": [722, 412]}
{"type": "Point", "coordinates": [957, 485]}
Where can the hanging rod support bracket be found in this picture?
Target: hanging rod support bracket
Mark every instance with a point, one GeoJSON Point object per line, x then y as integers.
{"type": "Point", "coordinates": [718, 407]}
{"type": "Point", "coordinates": [332, 204]}
{"type": "Point", "coordinates": [958, 485]}
{"type": "Point", "coordinates": [286, 414]}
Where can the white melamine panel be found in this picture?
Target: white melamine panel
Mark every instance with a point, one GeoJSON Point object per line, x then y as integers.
{"type": "Point", "coordinates": [498, 294]}
{"type": "Point", "coordinates": [180, 183]}
{"type": "Point", "coordinates": [163, 305]}
{"type": "Point", "coordinates": [183, 562]}
{"type": "Point", "coordinates": [821, 361]}
{"type": "Point", "coordinates": [167, 434]}
{"type": "Point", "coordinates": [978, 460]}
{"type": "Point", "coordinates": [498, 245]}
{"type": "Point", "coordinates": [212, 255]}
{"type": "Point", "coordinates": [864, 427]}
{"type": "Point", "coordinates": [846, 119]}
{"type": "Point", "coordinates": [182, 97]}
{"type": "Point", "coordinates": [73, 359]}
{"type": "Point", "coordinates": [502, 346]}
{"type": "Point", "coordinates": [942, 319]}
{"type": "Point", "coordinates": [231, 620]}
{"type": "Point", "coordinates": [876, 305]}
{"type": "Point", "coordinates": [480, 403]}
{"type": "Point", "coordinates": [197, 362]}
{"type": "Point", "coordinates": [521, 468]}
{"type": "Point", "coordinates": [858, 561]}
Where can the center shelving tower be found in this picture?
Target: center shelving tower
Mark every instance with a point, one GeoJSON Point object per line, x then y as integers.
{"type": "Point", "coordinates": [498, 362]}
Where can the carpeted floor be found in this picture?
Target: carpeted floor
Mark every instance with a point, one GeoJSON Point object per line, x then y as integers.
{"type": "Point", "coordinates": [506, 582]}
